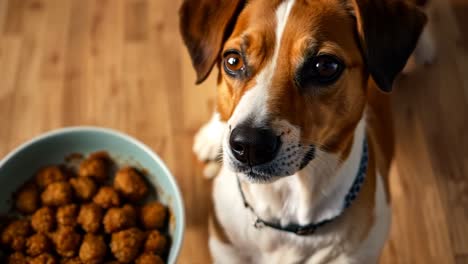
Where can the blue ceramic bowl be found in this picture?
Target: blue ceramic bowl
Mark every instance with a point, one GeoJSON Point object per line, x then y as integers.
{"type": "Point", "coordinates": [51, 148]}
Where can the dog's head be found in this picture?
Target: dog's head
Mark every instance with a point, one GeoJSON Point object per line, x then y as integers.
{"type": "Point", "coordinates": [293, 74]}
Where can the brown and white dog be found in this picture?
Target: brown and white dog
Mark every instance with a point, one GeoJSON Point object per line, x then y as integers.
{"type": "Point", "coordinates": [304, 127]}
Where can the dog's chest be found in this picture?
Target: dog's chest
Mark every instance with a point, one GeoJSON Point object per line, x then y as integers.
{"type": "Point", "coordinates": [264, 245]}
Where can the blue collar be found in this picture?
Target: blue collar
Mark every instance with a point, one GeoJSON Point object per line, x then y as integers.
{"type": "Point", "coordinates": [309, 229]}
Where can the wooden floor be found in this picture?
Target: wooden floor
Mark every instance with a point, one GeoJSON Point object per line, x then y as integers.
{"type": "Point", "coordinates": [121, 64]}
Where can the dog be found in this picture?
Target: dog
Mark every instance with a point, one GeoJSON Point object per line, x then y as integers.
{"type": "Point", "coordinates": [303, 122]}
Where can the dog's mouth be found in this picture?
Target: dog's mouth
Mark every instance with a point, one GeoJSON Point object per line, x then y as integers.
{"type": "Point", "coordinates": [290, 159]}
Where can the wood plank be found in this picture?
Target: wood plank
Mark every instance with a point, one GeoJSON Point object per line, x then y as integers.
{"type": "Point", "coordinates": [3, 12]}
{"type": "Point", "coordinates": [136, 20]}
{"type": "Point", "coordinates": [9, 59]}
{"type": "Point", "coordinates": [77, 52]}
{"type": "Point", "coordinates": [13, 22]}
{"type": "Point", "coordinates": [462, 259]}
{"type": "Point", "coordinates": [103, 94]}
{"type": "Point", "coordinates": [25, 103]}
{"type": "Point", "coordinates": [449, 149]}
{"type": "Point", "coordinates": [54, 43]}
{"type": "Point", "coordinates": [415, 226]}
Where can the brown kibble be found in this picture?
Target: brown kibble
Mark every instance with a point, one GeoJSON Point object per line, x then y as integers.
{"type": "Point", "coordinates": [153, 215]}
{"type": "Point", "coordinates": [96, 166]}
{"type": "Point", "coordinates": [67, 215]}
{"type": "Point", "coordinates": [155, 243]}
{"type": "Point", "coordinates": [90, 217]}
{"type": "Point", "coordinates": [37, 244]}
{"type": "Point", "coordinates": [18, 243]}
{"type": "Point", "coordinates": [84, 188]}
{"type": "Point", "coordinates": [93, 250]}
{"type": "Point", "coordinates": [14, 235]}
{"type": "Point", "coordinates": [64, 207]}
{"type": "Point", "coordinates": [43, 220]}
{"type": "Point", "coordinates": [17, 258]}
{"type": "Point", "coordinates": [49, 175]}
{"type": "Point", "coordinates": [66, 241]}
{"type": "Point", "coordinates": [57, 194]}
{"type": "Point", "coordinates": [75, 260]}
{"type": "Point", "coordinates": [129, 182]}
{"type": "Point", "coordinates": [117, 219]}
{"type": "Point", "coordinates": [100, 155]}
{"type": "Point", "coordinates": [126, 244]}
{"type": "Point", "coordinates": [45, 258]}
{"type": "Point", "coordinates": [107, 197]}
{"type": "Point", "coordinates": [27, 199]}
{"type": "Point", "coordinates": [149, 258]}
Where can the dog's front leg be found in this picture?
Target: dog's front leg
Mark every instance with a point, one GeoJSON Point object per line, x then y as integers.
{"type": "Point", "coordinates": [208, 144]}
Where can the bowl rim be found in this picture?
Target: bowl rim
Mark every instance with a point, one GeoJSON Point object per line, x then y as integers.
{"type": "Point", "coordinates": [72, 129]}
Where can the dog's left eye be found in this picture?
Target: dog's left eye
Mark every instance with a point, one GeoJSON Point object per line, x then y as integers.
{"type": "Point", "coordinates": [233, 63]}
{"type": "Point", "coordinates": [321, 70]}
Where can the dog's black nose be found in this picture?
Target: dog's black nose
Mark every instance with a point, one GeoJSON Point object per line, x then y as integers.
{"type": "Point", "coordinates": [254, 146]}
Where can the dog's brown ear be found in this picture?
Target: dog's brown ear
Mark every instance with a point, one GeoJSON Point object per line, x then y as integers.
{"type": "Point", "coordinates": [205, 25]}
{"type": "Point", "coordinates": [388, 31]}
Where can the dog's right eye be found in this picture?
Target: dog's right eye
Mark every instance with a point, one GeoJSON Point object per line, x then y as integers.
{"type": "Point", "coordinates": [233, 63]}
{"type": "Point", "coordinates": [321, 70]}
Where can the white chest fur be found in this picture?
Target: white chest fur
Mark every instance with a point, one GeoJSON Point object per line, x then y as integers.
{"type": "Point", "coordinates": [252, 245]}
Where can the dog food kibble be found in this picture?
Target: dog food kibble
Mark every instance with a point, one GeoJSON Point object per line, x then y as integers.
{"type": "Point", "coordinates": [37, 244]}
{"type": "Point", "coordinates": [66, 241]}
{"type": "Point", "coordinates": [74, 260]}
{"type": "Point", "coordinates": [90, 217]}
{"type": "Point", "coordinates": [45, 258]}
{"type": "Point", "coordinates": [149, 258]}
{"type": "Point", "coordinates": [153, 215]}
{"type": "Point", "coordinates": [27, 199]}
{"type": "Point", "coordinates": [130, 184]}
{"type": "Point", "coordinates": [84, 188]}
{"type": "Point", "coordinates": [17, 258]}
{"type": "Point", "coordinates": [155, 242]}
{"type": "Point", "coordinates": [14, 235]}
{"type": "Point", "coordinates": [97, 166]}
{"type": "Point", "coordinates": [86, 212]}
{"type": "Point", "coordinates": [107, 197]}
{"type": "Point", "coordinates": [48, 175]}
{"type": "Point", "coordinates": [18, 243]}
{"type": "Point", "coordinates": [43, 220]}
{"type": "Point", "coordinates": [57, 194]}
{"type": "Point", "coordinates": [67, 215]}
{"type": "Point", "coordinates": [117, 219]}
{"type": "Point", "coordinates": [126, 244]}
{"type": "Point", "coordinates": [93, 250]}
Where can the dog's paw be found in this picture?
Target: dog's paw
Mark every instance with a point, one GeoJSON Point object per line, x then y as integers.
{"type": "Point", "coordinates": [211, 169]}
{"type": "Point", "coordinates": [209, 139]}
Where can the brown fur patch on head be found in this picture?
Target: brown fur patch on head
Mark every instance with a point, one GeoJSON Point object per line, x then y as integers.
{"type": "Point", "coordinates": [254, 35]}
{"type": "Point", "coordinates": [205, 25]}
{"type": "Point", "coordinates": [326, 115]}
